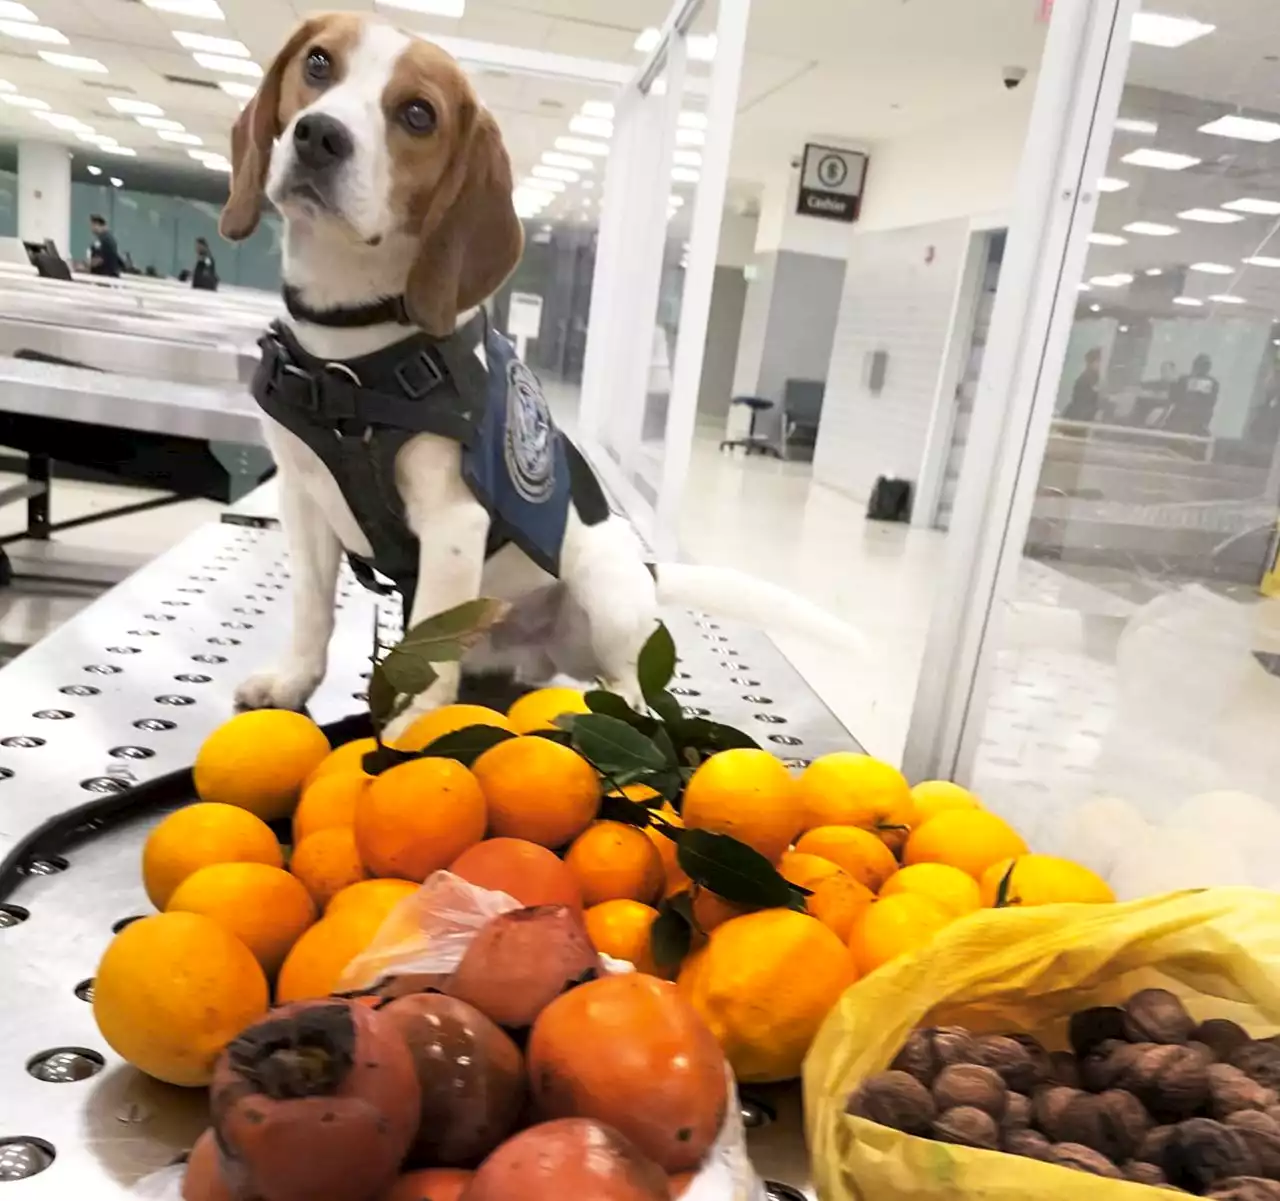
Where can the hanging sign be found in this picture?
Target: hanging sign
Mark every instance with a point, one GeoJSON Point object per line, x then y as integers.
{"type": "Point", "coordinates": [831, 183]}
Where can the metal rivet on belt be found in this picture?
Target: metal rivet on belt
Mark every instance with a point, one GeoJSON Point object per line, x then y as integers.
{"type": "Point", "coordinates": [192, 591]}
{"type": "Point", "coordinates": [79, 690]}
{"type": "Point", "coordinates": [716, 637]}
{"type": "Point", "coordinates": [24, 1157]}
{"type": "Point", "coordinates": [208, 658]}
{"type": "Point", "coordinates": [744, 682]}
{"type": "Point", "coordinates": [103, 669]}
{"type": "Point", "coordinates": [734, 666]}
{"type": "Point", "coordinates": [685, 692]}
{"type": "Point", "coordinates": [65, 1065]}
{"type": "Point", "coordinates": [756, 1114]}
{"type": "Point", "coordinates": [695, 711]}
{"type": "Point", "coordinates": [13, 915]}
{"type": "Point", "coordinates": [104, 784]}
{"type": "Point", "coordinates": [116, 927]}
{"type": "Point", "coordinates": [123, 650]}
{"type": "Point", "coordinates": [785, 740]}
{"type": "Point", "coordinates": [44, 865]}
{"type": "Point", "coordinates": [6, 773]}
{"type": "Point", "coordinates": [249, 612]}
{"type": "Point", "coordinates": [144, 633]}
{"type": "Point", "coordinates": [223, 641]}
{"type": "Point", "coordinates": [360, 696]}
{"type": "Point", "coordinates": [170, 698]}
{"type": "Point", "coordinates": [176, 604]}
{"type": "Point", "coordinates": [159, 617]}
{"type": "Point", "coordinates": [683, 675]}
{"type": "Point", "coordinates": [237, 625]}
{"type": "Point", "coordinates": [800, 763]}
{"type": "Point", "coordinates": [131, 752]}
{"type": "Point", "coordinates": [22, 740]}
{"type": "Point", "coordinates": [192, 678]}
{"type": "Point", "coordinates": [770, 719]}
{"type": "Point", "coordinates": [53, 714]}
{"type": "Point", "coordinates": [155, 724]}
{"type": "Point", "coordinates": [757, 700]}
{"type": "Point", "coordinates": [777, 1191]}
{"type": "Point", "coordinates": [84, 990]}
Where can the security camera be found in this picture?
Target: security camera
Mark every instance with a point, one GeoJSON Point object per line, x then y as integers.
{"type": "Point", "coordinates": [1013, 76]}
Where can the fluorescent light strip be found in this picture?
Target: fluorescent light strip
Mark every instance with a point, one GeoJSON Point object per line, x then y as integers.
{"type": "Point", "coordinates": [1246, 129]}
{"type": "Point", "coordinates": [1160, 160]}
{"type": "Point", "coordinates": [1132, 125]}
{"type": "Point", "coordinates": [1107, 184]}
{"type": "Point", "coordinates": [1212, 268]}
{"type": "Point", "coordinates": [541, 172]}
{"type": "Point", "coordinates": [1154, 271]}
{"type": "Point", "coordinates": [1151, 229]}
{"type": "Point", "coordinates": [135, 108]}
{"type": "Point", "coordinates": [692, 137]}
{"type": "Point", "coordinates": [231, 66]}
{"type": "Point", "coordinates": [598, 108]}
{"type": "Point", "coordinates": [685, 175]}
{"type": "Point", "coordinates": [117, 182]}
{"type": "Point", "coordinates": [33, 33]}
{"type": "Point", "coordinates": [93, 170]}
{"type": "Point", "coordinates": [1189, 301]}
{"type": "Point", "coordinates": [160, 123]}
{"type": "Point", "coordinates": [1210, 216]}
{"type": "Point", "coordinates": [686, 158]}
{"type": "Point", "coordinates": [1156, 29]}
{"type": "Point", "coordinates": [206, 9]}
{"type": "Point", "coordinates": [213, 45]}
{"type": "Point", "coordinates": [591, 127]}
{"type": "Point", "coordinates": [241, 91]}
{"type": "Point", "coordinates": [574, 162]}
{"type": "Point", "coordinates": [11, 10]}
{"type": "Point", "coordinates": [699, 48]}
{"type": "Point", "coordinates": [180, 139]}
{"type": "Point", "coordinates": [119, 151]}
{"type": "Point", "coordinates": [1108, 240]}
{"type": "Point", "coordinates": [62, 121]}
{"type": "Point", "coordinates": [542, 184]}
{"type": "Point", "coordinates": [27, 102]}
{"type": "Point", "coordinates": [1254, 206]}
{"type": "Point", "coordinates": [434, 8]}
{"type": "Point", "coordinates": [687, 120]}
{"type": "Point", "coordinates": [1111, 281]}
{"type": "Point", "coordinates": [73, 62]}
{"type": "Point", "coordinates": [582, 146]}
{"type": "Point", "coordinates": [1228, 299]}
{"type": "Point", "coordinates": [1263, 260]}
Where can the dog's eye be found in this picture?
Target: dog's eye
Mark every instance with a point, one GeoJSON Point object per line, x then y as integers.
{"type": "Point", "coordinates": [318, 68]}
{"type": "Point", "coordinates": [418, 117]}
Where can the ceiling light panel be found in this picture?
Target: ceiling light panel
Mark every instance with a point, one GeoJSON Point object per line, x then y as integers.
{"type": "Point", "coordinates": [1263, 260]}
{"type": "Point", "coordinates": [1133, 125]}
{"type": "Point", "coordinates": [686, 158]}
{"type": "Point", "coordinates": [685, 175]}
{"type": "Point", "coordinates": [135, 108]}
{"type": "Point", "coordinates": [73, 62]}
{"type": "Point", "coordinates": [542, 183]}
{"type": "Point", "coordinates": [1107, 184]}
{"type": "Point", "coordinates": [434, 8]}
{"type": "Point", "coordinates": [27, 102]}
{"type": "Point", "coordinates": [241, 91]}
{"type": "Point", "coordinates": [700, 48]}
{"type": "Point", "coordinates": [1160, 160]}
{"type": "Point", "coordinates": [180, 139]}
{"type": "Point", "coordinates": [213, 45]}
{"type": "Point", "coordinates": [541, 172]}
{"type": "Point", "coordinates": [1112, 281]}
{"type": "Point", "coordinates": [94, 170]}
{"type": "Point", "coordinates": [591, 127]}
{"type": "Point", "coordinates": [1246, 129]}
{"type": "Point", "coordinates": [692, 137]}
{"type": "Point", "coordinates": [582, 146]}
{"type": "Point", "coordinates": [1188, 301]}
{"type": "Point", "coordinates": [1210, 216]}
{"type": "Point", "coordinates": [10, 10]}
{"type": "Point", "coordinates": [160, 123]}
{"type": "Point", "coordinates": [206, 10]}
{"type": "Point", "coordinates": [1212, 268]}
{"type": "Point", "coordinates": [1254, 206]}
{"type": "Point", "coordinates": [598, 108]}
{"type": "Point", "coordinates": [1108, 240]}
{"type": "Point", "coordinates": [1227, 299]}
{"type": "Point", "coordinates": [228, 65]}
{"type": "Point", "coordinates": [1150, 229]}
{"type": "Point", "coordinates": [1156, 29]}
{"type": "Point", "coordinates": [575, 162]}
{"type": "Point", "coordinates": [65, 122]}
{"type": "Point", "coordinates": [33, 33]}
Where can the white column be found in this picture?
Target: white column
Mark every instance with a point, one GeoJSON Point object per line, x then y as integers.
{"type": "Point", "coordinates": [44, 194]}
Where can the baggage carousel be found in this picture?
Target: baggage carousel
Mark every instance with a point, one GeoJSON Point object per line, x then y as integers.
{"type": "Point", "coordinates": [124, 694]}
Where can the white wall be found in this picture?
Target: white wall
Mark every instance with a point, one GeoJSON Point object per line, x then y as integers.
{"type": "Point", "coordinates": [737, 240]}
{"type": "Point", "coordinates": [900, 290]}
{"type": "Point", "coordinates": [966, 169]}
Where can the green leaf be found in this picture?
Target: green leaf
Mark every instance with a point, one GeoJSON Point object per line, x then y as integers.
{"type": "Point", "coordinates": [623, 809]}
{"type": "Point", "coordinates": [732, 870]}
{"type": "Point", "coordinates": [669, 783]}
{"type": "Point", "coordinates": [609, 704]}
{"type": "Point", "coordinates": [1005, 887]}
{"type": "Point", "coordinates": [466, 745]}
{"type": "Point", "coordinates": [666, 707]}
{"type": "Point", "coordinates": [710, 736]}
{"type": "Point", "coordinates": [615, 748]}
{"type": "Point", "coordinates": [444, 638]}
{"type": "Point", "coordinates": [382, 698]}
{"type": "Point", "coordinates": [666, 827]}
{"type": "Point", "coordinates": [563, 737]}
{"type": "Point", "coordinates": [671, 935]}
{"type": "Point", "coordinates": [383, 758]}
{"type": "Point", "coordinates": [662, 740]}
{"type": "Point", "coordinates": [657, 663]}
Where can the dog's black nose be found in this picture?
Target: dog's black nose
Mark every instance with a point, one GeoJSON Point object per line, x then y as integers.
{"type": "Point", "coordinates": [322, 142]}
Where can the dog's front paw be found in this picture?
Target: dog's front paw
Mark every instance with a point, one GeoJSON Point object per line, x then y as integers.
{"type": "Point", "coordinates": [284, 689]}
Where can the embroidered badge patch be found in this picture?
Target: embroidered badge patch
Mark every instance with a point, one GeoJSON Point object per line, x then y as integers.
{"type": "Point", "coordinates": [529, 447]}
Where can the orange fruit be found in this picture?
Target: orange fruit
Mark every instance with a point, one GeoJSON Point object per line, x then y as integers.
{"type": "Point", "coordinates": [630, 1052]}
{"type": "Point", "coordinates": [327, 862]}
{"type": "Point", "coordinates": [259, 761]}
{"type": "Point", "coordinates": [804, 869]}
{"type": "Point", "coordinates": [895, 926]}
{"type": "Point", "coordinates": [836, 901]}
{"type": "Point", "coordinates": [680, 1183]}
{"type": "Point", "coordinates": [347, 757]}
{"type": "Point", "coordinates": [970, 839]}
{"type": "Point", "coordinates": [448, 719]}
{"type": "Point", "coordinates": [677, 881]}
{"type": "Point", "coordinates": [711, 911]}
{"type": "Point", "coordinates": [613, 862]}
{"type": "Point", "coordinates": [854, 850]}
{"type": "Point", "coordinates": [316, 963]}
{"type": "Point", "coordinates": [430, 1184]}
{"type": "Point", "coordinates": [747, 794]}
{"type": "Point", "coordinates": [172, 990]}
{"type": "Point", "coordinates": [847, 789]}
{"type": "Point", "coordinates": [265, 907]}
{"type": "Point", "coordinates": [763, 984]}
{"type": "Point", "coordinates": [524, 870]}
{"type": "Point", "coordinates": [949, 886]}
{"type": "Point", "coordinates": [418, 817]}
{"type": "Point", "coordinates": [539, 710]}
{"type": "Point", "coordinates": [538, 790]}
{"type": "Point", "coordinates": [622, 929]}
{"type": "Point", "coordinates": [375, 898]}
{"type": "Point", "coordinates": [329, 800]}
{"type": "Point", "coordinates": [932, 797]}
{"type": "Point", "coordinates": [198, 835]}
{"type": "Point", "coordinates": [1044, 880]}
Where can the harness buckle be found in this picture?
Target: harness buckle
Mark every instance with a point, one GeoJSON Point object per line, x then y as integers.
{"type": "Point", "coordinates": [418, 375]}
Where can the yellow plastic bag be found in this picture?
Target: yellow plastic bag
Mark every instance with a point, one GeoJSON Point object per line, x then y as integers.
{"type": "Point", "coordinates": [1027, 970]}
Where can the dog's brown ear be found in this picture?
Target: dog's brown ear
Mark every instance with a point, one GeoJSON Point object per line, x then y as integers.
{"type": "Point", "coordinates": [252, 137]}
{"type": "Point", "coordinates": [471, 236]}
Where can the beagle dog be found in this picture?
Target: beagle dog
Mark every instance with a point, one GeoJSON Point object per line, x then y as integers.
{"type": "Point", "coordinates": [396, 194]}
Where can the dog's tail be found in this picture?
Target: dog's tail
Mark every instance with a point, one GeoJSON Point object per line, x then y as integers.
{"type": "Point", "coordinates": [733, 594]}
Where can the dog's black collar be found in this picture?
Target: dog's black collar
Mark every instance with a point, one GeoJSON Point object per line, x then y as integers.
{"type": "Point", "coordinates": [390, 310]}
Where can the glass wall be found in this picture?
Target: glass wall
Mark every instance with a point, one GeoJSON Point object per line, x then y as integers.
{"type": "Point", "coordinates": [1132, 686]}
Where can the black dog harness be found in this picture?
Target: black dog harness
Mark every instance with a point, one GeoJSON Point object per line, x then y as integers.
{"type": "Point", "coordinates": [357, 415]}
